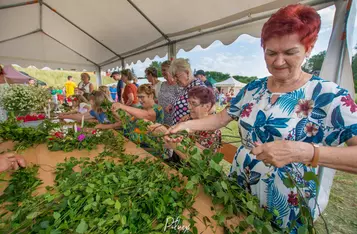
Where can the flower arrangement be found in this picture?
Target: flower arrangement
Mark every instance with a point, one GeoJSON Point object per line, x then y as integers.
{"type": "Point", "coordinates": [22, 99]}
{"type": "Point", "coordinates": [69, 139]}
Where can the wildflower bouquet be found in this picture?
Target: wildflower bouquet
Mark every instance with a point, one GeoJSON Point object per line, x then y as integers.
{"type": "Point", "coordinates": [23, 99]}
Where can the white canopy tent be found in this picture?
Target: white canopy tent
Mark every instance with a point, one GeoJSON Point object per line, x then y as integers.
{"type": "Point", "coordinates": [95, 35]}
{"type": "Point", "coordinates": [229, 84]}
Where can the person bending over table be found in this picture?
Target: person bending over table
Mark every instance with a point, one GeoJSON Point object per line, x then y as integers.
{"type": "Point", "coordinates": [290, 121]}
{"type": "Point", "coordinates": [96, 114]}
{"type": "Point", "coordinates": [11, 161]}
{"type": "Point", "coordinates": [148, 110]}
{"type": "Point", "coordinates": [201, 101]}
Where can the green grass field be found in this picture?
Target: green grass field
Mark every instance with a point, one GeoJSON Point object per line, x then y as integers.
{"type": "Point", "coordinates": [57, 78]}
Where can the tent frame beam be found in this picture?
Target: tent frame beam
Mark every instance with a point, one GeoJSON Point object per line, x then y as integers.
{"type": "Point", "coordinates": [148, 19]}
{"type": "Point", "coordinates": [79, 28]}
{"type": "Point", "coordinates": [18, 4]}
{"type": "Point", "coordinates": [41, 15]}
{"type": "Point", "coordinates": [23, 35]}
{"type": "Point", "coordinates": [79, 54]}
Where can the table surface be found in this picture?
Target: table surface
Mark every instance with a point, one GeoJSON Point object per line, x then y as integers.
{"type": "Point", "coordinates": [47, 160]}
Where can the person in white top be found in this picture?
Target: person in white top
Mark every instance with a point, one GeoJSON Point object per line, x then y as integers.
{"type": "Point", "coordinates": [85, 86]}
{"type": "Point", "coordinates": [151, 74]}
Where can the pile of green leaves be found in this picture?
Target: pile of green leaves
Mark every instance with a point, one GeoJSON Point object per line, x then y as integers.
{"type": "Point", "coordinates": [104, 197]}
{"type": "Point", "coordinates": [25, 137]}
{"type": "Point", "coordinates": [203, 168]}
{"type": "Point", "coordinates": [21, 185]}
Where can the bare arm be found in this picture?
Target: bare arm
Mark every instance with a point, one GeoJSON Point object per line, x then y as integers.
{"type": "Point", "coordinates": [281, 153]}
{"type": "Point", "coordinates": [343, 159]}
{"type": "Point", "coordinates": [211, 122]}
{"type": "Point", "coordinates": [130, 99]}
{"type": "Point", "coordinates": [91, 87]}
{"type": "Point", "coordinates": [108, 126]}
{"type": "Point", "coordinates": [137, 113]}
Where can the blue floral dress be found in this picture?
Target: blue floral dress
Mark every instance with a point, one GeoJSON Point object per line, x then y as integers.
{"type": "Point", "coordinates": [319, 112]}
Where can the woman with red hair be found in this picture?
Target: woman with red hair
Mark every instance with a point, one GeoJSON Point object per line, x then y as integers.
{"type": "Point", "coordinates": [289, 122]}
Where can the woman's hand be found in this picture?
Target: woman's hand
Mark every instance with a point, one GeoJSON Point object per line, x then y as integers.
{"type": "Point", "coordinates": [281, 153]}
{"type": "Point", "coordinates": [169, 108]}
{"type": "Point", "coordinates": [116, 106]}
{"type": "Point", "coordinates": [157, 129]}
{"type": "Point", "coordinates": [175, 129]}
{"type": "Point", "coordinates": [10, 161]}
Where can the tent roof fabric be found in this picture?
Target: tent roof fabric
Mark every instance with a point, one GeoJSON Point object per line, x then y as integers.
{"type": "Point", "coordinates": [230, 82]}
{"type": "Point", "coordinates": [14, 76]}
{"type": "Point", "coordinates": [88, 34]}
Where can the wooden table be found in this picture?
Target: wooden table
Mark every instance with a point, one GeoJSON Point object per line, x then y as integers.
{"type": "Point", "coordinates": [48, 160]}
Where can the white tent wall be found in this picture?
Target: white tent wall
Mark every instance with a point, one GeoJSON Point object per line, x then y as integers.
{"type": "Point", "coordinates": [337, 68]}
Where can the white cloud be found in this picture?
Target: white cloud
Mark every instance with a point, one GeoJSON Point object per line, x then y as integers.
{"type": "Point", "coordinates": [233, 64]}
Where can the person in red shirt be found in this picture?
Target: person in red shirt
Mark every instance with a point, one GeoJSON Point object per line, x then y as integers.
{"type": "Point", "coordinates": [130, 94]}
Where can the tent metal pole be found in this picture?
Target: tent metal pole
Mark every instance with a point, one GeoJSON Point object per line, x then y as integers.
{"type": "Point", "coordinates": [23, 35]}
{"type": "Point", "coordinates": [99, 76]}
{"type": "Point", "coordinates": [18, 4]}
{"type": "Point", "coordinates": [171, 51]}
{"type": "Point", "coordinates": [122, 64]}
{"type": "Point", "coordinates": [76, 26]}
{"type": "Point", "coordinates": [40, 2]}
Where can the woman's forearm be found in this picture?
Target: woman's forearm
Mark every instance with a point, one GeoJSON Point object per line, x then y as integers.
{"type": "Point", "coordinates": [130, 100]}
{"type": "Point", "coordinates": [343, 159]}
{"type": "Point", "coordinates": [139, 113]}
{"type": "Point", "coordinates": [211, 122]}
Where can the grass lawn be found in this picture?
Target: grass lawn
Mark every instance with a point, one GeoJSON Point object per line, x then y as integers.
{"type": "Point", "coordinates": [57, 78]}
{"type": "Point", "coordinates": [341, 211]}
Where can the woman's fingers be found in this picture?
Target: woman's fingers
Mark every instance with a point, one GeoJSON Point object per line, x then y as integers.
{"type": "Point", "coordinates": [20, 161]}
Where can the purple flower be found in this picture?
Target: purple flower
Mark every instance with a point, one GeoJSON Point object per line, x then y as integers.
{"type": "Point", "coordinates": [78, 129]}
{"type": "Point", "coordinates": [81, 137]}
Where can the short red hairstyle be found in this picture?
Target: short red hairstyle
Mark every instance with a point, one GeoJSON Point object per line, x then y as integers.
{"type": "Point", "coordinates": [297, 18]}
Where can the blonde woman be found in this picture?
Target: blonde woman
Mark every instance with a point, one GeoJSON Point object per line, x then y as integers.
{"type": "Point", "coordinates": [182, 74]}
{"type": "Point", "coordinates": [106, 91]}
{"type": "Point", "coordinates": [169, 92]}
{"type": "Point", "coordinates": [130, 95]}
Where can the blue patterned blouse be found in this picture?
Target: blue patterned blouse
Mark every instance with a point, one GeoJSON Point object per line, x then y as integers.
{"type": "Point", "coordinates": [319, 112]}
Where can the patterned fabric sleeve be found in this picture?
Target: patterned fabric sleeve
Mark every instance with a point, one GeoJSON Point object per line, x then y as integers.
{"type": "Point", "coordinates": [235, 106]}
{"type": "Point", "coordinates": [159, 114]}
{"type": "Point", "coordinates": [341, 120]}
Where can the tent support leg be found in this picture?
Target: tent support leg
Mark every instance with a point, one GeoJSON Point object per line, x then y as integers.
{"type": "Point", "coordinates": [99, 77]}
{"type": "Point", "coordinates": [122, 64]}
{"type": "Point", "coordinates": [172, 51]}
